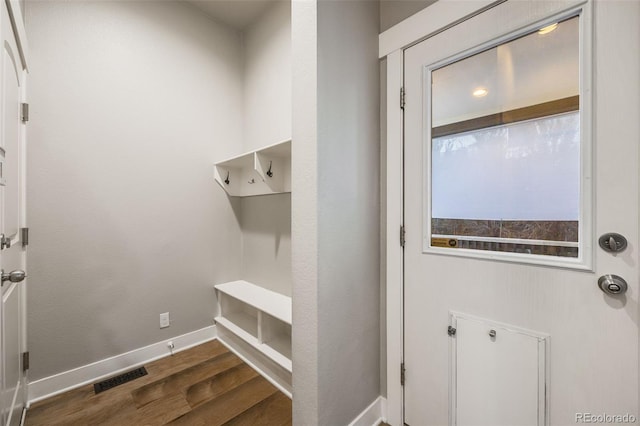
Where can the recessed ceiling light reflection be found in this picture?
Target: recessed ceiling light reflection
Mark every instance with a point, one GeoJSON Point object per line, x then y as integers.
{"type": "Point", "coordinates": [480, 92]}
{"type": "Point", "coordinates": [547, 29]}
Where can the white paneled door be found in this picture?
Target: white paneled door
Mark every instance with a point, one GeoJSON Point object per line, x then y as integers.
{"type": "Point", "coordinates": [12, 255]}
{"type": "Point", "coordinates": [520, 151]}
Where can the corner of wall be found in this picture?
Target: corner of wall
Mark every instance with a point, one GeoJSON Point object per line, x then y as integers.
{"type": "Point", "coordinates": [304, 217]}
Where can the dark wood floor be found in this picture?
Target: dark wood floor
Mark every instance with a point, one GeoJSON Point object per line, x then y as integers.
{"type": "Point", "coordinates": [205, 385]}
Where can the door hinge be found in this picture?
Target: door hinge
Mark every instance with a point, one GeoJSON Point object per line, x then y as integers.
{"type": "Point", "coordinates": [451, 331]}
{"type": "Point", "coordinates": [402, 374]}
{"type": "Point", "coordinates": [402, 98]}
{"type": "Point", "coordinates": [4, 242]}
{"type": "Point", "coordinates": [25, 361]}
{"type": "Point", "coordinates": [24, 236]}
{"type": "Point", "coordinates": [403, 238]}
{"type": "Point", "coordinates": [25, 112]}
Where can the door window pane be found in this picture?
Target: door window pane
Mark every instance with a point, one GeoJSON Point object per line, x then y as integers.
{"type": "Point", "coordinates": [505, 147]}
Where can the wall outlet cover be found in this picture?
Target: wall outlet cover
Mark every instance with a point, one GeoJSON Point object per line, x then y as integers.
{"type": "Point", "coordinates": [164, 320]}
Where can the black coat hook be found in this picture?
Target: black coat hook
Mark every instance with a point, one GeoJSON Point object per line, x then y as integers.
{"type": "Point", "coordinates": [269, 172]}
{"type": "Point", "coordinates": [227, 179]}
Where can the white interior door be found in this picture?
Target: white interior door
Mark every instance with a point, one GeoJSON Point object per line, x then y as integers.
{"type": "Point", "coordinates": [12, 255]}
{"type": "Point", "coordinates": [521, 149]}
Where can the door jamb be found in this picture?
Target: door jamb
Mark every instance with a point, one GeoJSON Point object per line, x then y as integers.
{"type": "Point", "coordinates": [17, 20]}
{"type": "Point", "coordinates": [394, 253]}
{"type": "Point", "coordinates": [18, 26]}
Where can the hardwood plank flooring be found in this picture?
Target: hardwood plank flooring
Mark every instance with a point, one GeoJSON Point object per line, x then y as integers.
{"type": "Point", "coordinates": [206, 385]}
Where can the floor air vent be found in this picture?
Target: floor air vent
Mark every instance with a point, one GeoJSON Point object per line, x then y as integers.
{"type": "Point", "coordinates": [119, 379]}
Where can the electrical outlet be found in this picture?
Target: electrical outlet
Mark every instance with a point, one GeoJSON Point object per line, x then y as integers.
{"type": "Point", "coordinates": [164, 320]}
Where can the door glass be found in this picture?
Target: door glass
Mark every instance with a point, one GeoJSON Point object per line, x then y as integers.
{"type": "Point", "coordinates": [504, 151]}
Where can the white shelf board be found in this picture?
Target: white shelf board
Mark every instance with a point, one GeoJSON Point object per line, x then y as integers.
{"type": "Point", "coordinates": [241, 161]}
{"type": "Point", "coordinates": [271, 353]}
{"type": "Point", "coordinates": [238, 331]}
{"type": "Point", "coordinates": [270, 302]}
{"type": "Point", "coordinates": [246, 173]}
{"type": "Point", "coordinates": [278, 149]}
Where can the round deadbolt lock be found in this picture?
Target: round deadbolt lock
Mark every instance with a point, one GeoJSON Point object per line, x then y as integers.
{"type": "Point", "coordinates": [612, 284]}
{"type": "Point", "coordinates": [612, 242]}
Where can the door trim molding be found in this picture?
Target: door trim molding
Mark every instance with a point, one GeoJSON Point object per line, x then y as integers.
{"type": "Point", "coordinates": [429, 21]}
{"type": "Point", "coordinates": [394, 253]}
{"type": "Point", "coordinates": [17, 20]}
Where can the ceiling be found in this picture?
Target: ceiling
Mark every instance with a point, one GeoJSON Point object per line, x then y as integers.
{"type": "Point", "coordinates": [238, 14]}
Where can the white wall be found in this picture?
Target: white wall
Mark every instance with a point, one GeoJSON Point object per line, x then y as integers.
{"type": "Point", "coordinates": [336, 219]}
{"type": "Point", "coordinates": [266, 241]}
{"type": "Point", "coordinates": [266, 220]}
{"type": "Point", "coordinates": [304, 212]}
{"type": "Point", "coordinates": [348, 208]}
{"type": "Point", "coordinates": [131, 104]}
{"type": "Point", "coordinates": [267, 78]}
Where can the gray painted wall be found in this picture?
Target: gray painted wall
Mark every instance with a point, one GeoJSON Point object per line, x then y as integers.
{"type": "Point", "coordinates": [267, 78]}
{"type": "Point", "coordinates": [131, 102]}
{"type": "Point", "coordinates": [266, 220]}
{"type": "Point", "coordinates": [79, 177]}
{"type": "Point", "coordinates": [304, 213]}
{"type": "Point", "coordinates": [339, 330]}
{"type": "Point", "coordinates": [348, 210]}
{"type": "Point", "coordinates": [395, 11]}
{"type": "Point", "coordinates": [266, 241]}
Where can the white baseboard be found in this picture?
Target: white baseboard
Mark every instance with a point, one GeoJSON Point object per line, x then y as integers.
{"type": "Point", "coordinates": [373, 414]}
{"type": "Point", "coordinates": [90, 373]}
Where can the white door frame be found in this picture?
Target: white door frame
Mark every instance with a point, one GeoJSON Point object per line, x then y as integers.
{"type": "Point", "coordinates": [430, 21]}
{"type": "Point", "coordinates": [17, 19]}
{"type": "Point", "coordinates": [19, 30]}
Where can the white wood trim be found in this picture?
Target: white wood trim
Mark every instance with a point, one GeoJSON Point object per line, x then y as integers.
{"type": "Point", "coordinates": [265, 366]}
{"type": "Point", "coordinates": [587, 221]}
{"type": "Point", "coordinates": [15, 14]}
{"type": "Point", "coordinates": [429, 21]}
{"type": "Point", "coordinates": [65, 381]}
{"type": "Point", "coordinates": [372, 415]}
{"type": "Point", "coordinates": [14, 400]}
{"type": "Point", "coordinates": [275, 147]}
{"type": "Point", "coordinates": [255, 343]}
{"type": "Point", "coordinates": [275, 304]}
{"type": "Point", "coordinates": [394, 253]}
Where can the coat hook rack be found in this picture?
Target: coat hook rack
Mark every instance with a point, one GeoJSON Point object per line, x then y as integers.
{"type": "Point", "coordinates": [269, 172]}
{"type": "Point", "coordinates": [227, 179]}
